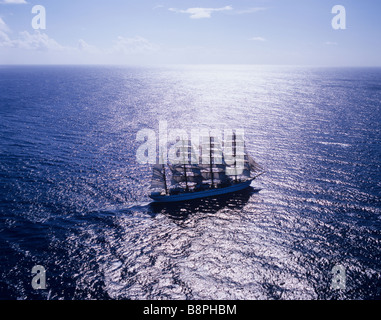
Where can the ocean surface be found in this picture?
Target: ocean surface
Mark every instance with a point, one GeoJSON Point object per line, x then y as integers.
{"type": "Point", "coordinates": [74, 200]}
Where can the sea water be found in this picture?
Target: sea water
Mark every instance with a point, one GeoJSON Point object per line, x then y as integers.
{"type": "Point", "coordinates": [74, 200]}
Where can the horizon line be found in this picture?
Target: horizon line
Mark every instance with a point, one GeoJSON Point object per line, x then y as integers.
{"type": "Point", "coordinates": [191, 64]}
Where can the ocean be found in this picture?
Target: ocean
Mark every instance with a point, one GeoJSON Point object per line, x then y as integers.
{"type": "Point", "coordinates": [74, 200]}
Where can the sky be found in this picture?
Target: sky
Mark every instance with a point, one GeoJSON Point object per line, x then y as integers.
{"type": "Point", "coordinates": [151, 32]}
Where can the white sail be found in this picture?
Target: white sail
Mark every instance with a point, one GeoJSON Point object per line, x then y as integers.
{"type": "Point", "coordinates": [179, 152]}
{"type": "Point", "coordinates": [216, 176]}
{"type": "Point", "coordinates": [254, 166]}
{"type": "Point", "coordinates": [185, 174]}
{"type": "Point", "coordinates": [189, 178]}
{"type": "Point", "coordinates": [211, 150]}
{"type": "Point", "coordinates": [213, 167]}
{"type": "Point", "coordinates": [234, 171]}
{"type": "Point", "coordinates": [184, 152]}
{"type": "Point", "coordinates": [188, 167]}
{"type": "Point", "coordinates": [158, 177]}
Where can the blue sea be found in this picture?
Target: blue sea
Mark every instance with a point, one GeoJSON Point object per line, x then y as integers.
{"type": "Point", "coordinates": [74, 200]}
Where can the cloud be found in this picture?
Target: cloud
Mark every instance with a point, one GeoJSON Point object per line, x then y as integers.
{"type": "Point", "coordinates": [37, 41]}
{"type": "Point", "coordinates": [329, 43]}
{"type": "Point", "coordinates": [28, 41]}
{"type": "Point", "coordinates": [14, 2]}
{"type": "Point", "coordinates": [38, 47]}
{"type": "Point", "coordinates": [83, 46]}
{"type": "Point", "coordinates": [5, 41]}
{"type": "Point", "coordinates": [158, 6]}
{"type": "Point", "coordinates": [123, 46]}
{"type": "Point", "coordinates": [250, 10]}
{"type": "Point", "coordinates": [200, 13]}
{"type": "Point", "coordinates": [131, 46]}
{"type": "Point", "coordinates": [3, 26]}
{"type": "Point", "coordinates": [258, 39]}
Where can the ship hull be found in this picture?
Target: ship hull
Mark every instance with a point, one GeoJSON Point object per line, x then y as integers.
{"type": "Point", "coordinates": [201, 194]}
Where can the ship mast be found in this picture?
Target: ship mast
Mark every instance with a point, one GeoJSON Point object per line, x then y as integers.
{"type": "Point", "coordinates": [164, 175]}
{"type": "Point", "coordinates": [165, 180]}
{"type": "Point", "coordinates": [235, 156]}
{"type": "Point", "coordinates": [210, 160]}
{"type": "Point", "coordinates": [185, 169]}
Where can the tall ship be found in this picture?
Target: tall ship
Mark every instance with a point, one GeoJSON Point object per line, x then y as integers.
{"type": "Point", "coordinates": [221, 167]}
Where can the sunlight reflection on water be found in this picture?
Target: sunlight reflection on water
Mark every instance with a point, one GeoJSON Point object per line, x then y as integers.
{"type": "Point", "coordinates": [74, 197]}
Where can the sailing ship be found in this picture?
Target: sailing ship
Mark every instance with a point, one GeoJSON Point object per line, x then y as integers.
{"type": "Point", "coordinates": [215, 172]}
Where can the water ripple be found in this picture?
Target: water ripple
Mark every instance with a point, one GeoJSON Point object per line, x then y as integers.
{"type": "Point", "coordinates": [74, 199]}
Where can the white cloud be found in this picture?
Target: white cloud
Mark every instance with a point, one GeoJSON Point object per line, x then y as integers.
{"type": "Point", "coordinates": [158, 6]}
{"type": "Point", "coordinates": [258, 39]}
{"type": "Point", "coordinates": [39, 41]}
{"type": "Point", "coordinates": [200, 13]}
{"type": "Point", "coordinates": [250, 10]}
{"type": "Point", "coordinates": [5, 41]}
{"type": "Point", "coordinates": [329, 43]}
{"type": "Point", "coordinates": [29, 41]}
{"type": "Point", "coordinates": [3, 26]}
{"type": "Point", "coordinates": [83, 46]}
{"type": "Point", "coordinates": [136, 45]}
{"type": "Point", "coordinates": [38, 47]}
{"type": "Point", "coordinates": [14, 2]}
{"type": "Point", "coordinates": [36, 41]}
